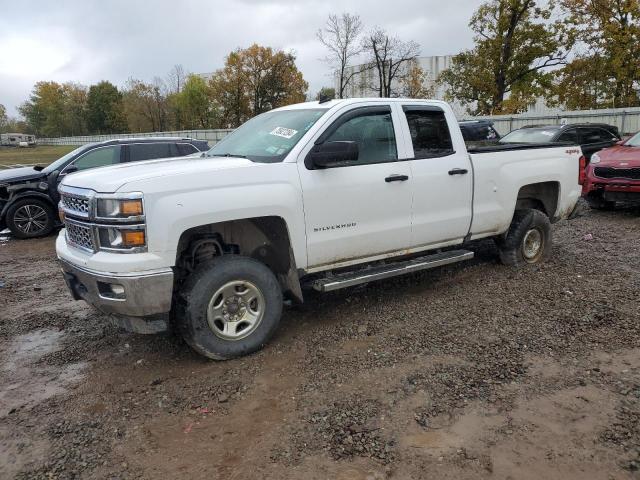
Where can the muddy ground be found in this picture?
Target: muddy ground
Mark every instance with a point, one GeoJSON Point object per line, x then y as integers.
{"type": "Point", "coordinates": [471, 371]}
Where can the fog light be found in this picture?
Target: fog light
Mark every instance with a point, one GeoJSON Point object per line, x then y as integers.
{"type": "Point", "coordinates": [117, 289]}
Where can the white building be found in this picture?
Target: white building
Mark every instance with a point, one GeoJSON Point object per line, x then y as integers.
{"type": "Point", "coordinates": [365, 83]}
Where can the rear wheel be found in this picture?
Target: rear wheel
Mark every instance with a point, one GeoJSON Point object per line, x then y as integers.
{"type": "Point", "coordinates": [230, 306]}
{"type": "Point", "coordinates": [528, 240]}
{"type": "Point", "coordinates": [30, 218]}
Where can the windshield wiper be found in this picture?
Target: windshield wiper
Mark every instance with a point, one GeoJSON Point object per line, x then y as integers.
{"type": "Point", "coordinates": [227, 155]}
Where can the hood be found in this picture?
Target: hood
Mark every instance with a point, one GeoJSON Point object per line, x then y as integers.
{"type": "Point", "coordinates": [110, 179]}
{"type": "Point", "coordinates": [22, 174]}
{"type": "Point", "coordinates": [620, 156]}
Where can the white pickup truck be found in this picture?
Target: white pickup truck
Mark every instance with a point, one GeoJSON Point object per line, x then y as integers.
{"type": "Point", "coordinates": [322, 195]}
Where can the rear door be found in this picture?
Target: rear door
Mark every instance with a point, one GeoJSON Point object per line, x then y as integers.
{"type": "Point", "coordinates": [362, 209]}
{"type": "Point", "coordinates": [442, 179]}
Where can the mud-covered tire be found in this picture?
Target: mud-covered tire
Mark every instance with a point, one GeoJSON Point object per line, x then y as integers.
{"type": "Point", "coordinates": [196, 303]}
{"type": "Point", "coordinates": [528, 228]}
{"type": "Point", "coordinates": [41, 213]}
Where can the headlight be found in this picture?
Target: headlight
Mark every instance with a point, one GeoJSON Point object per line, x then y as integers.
{"type": "Point", "coordinates": [121, 238]}
{"type": "Point", "coordinates": [595, 158]}
{"type": "Point", "coordinates": [120, 208]}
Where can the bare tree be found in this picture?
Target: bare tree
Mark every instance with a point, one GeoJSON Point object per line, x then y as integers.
{"type": "Point", "coordinates": [388, 56]}
{"type": "Point", "coordinates": [176, 78]}
{"type": "Point", "coordinates": [341, 37]}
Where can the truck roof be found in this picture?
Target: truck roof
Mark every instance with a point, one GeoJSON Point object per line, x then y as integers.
{"type": "Point", "coordinates": [350, 101]}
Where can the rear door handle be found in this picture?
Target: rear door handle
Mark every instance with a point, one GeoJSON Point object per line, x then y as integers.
{"type": "Point", "coordinates": [396, 178]}
{"type": "Point", "coordinates": [458, 171]}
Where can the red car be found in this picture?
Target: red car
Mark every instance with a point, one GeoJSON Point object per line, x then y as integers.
{"type": "Point", "coordinates": [613, 175]}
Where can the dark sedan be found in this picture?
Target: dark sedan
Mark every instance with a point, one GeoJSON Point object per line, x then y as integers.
{"type": "Point", "coordinates": [29, 195]}
{"type": "Point", "coordinates": [592, 137]}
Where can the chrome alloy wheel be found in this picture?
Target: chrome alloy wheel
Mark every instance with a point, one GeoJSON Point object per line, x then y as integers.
{"type": "Point", "coordinates": [532, 245]}
{"type": "Point", "coordinates": [30, 219]}
{"type": "Point", "coordinates": [236, 310]}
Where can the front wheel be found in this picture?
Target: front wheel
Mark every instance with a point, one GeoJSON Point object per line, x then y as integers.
{"type": "Point", "coordinates": [229, 307]}
{"type": "Point", "coordinates": [528, 240]}
{"type": "Point", "coordinates": [30, 218]}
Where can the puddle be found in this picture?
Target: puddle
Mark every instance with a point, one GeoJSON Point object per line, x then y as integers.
{"type": "Point", "coordinates": [24, 384]}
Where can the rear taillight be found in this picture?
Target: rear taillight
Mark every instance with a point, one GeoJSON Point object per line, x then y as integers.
{"type": "Point", "coordinates": [582, 169]}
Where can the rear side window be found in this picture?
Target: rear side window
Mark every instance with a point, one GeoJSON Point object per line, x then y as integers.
{"type": "Point", "coordinates": [429, 132]}
{"type": "Point", "coordinates": [595, 135]}
{"type": "Point", "coordinates": [148, 151]}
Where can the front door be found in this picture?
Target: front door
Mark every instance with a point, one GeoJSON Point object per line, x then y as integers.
{"type": "Point", "coordinates": [442, 177]}
{"type": "Point", "coordinates": [362, 209]}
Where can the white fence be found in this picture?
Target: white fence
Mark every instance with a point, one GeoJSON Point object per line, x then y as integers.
{"type": "Point", "coordinates": [626, 119]}
{"type": "Point", "coordinates": [211, 136]}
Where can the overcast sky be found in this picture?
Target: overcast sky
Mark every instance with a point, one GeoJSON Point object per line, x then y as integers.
{"type": "Point", "coordinates": [90, 40]}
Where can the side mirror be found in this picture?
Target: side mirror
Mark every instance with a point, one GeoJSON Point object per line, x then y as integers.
{"type": "Point", "coordinates": [621, 142]}
{"type": "Point", "coordinates": [70, 169]}
{"type": "Point", "coordinates": [332, 154]}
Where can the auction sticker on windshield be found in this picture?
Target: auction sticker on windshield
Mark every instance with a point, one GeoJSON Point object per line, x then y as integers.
{"type": "Point", "coordinates": [283, 132]}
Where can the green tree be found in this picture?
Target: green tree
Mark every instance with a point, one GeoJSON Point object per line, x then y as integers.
{"type": "Point", "coordinates": [414, 82]}
{"type": "Point", "coordinates": [606, 72]}
{"type": "Point", "coordinates": [195, 104]}
{"type": "Point", "coordinates": [326, 92]}
{"type": "Point", "coordinates": [105, 109]}
{"type": "Point", "coordinates": [255, 80]}
{"type": "Point", "coordinates": [516, 45]}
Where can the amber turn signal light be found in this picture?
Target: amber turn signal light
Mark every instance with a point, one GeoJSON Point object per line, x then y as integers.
{"type": "Point", "coordinates": [133, 238]}
{"type": "Point", "coordinates": [131, 207]}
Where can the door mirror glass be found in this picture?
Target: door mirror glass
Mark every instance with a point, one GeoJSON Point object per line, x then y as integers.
{"type": "Point", "coordinates": [333, 154]}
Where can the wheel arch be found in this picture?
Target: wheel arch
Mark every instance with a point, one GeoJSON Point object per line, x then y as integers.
{"type": "Point", "coordinates": [21, 195]}
{"type": "Point", "coordinates": [265, 239]}
{"type": "Point", "coordinates": [543, 196]}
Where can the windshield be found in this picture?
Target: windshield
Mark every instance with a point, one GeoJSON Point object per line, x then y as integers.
{"type": "Point", "coordinates": [269, 137]}
{"type": "Point", "coordinates": [633, 141]}
{"type": "Point", "coordinates": [58, 164]}
{"type": "Point", "coordinates": [529, 135]}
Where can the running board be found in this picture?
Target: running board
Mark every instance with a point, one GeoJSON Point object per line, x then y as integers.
{"type": "Point", "coordinates": [349, 279]}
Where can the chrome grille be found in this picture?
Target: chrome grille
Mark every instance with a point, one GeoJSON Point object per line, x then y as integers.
{"type": "Point", "coordinates": [80, 235]}
{"type": "Point", "coordinates": [76, 205]}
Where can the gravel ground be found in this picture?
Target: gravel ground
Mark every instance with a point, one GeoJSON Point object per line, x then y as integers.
{"type": "Point", "coordinates": [471, 371]}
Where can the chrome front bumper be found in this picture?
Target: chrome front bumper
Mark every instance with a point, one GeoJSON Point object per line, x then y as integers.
{"type": "Point", "coordinates": [139, 301]}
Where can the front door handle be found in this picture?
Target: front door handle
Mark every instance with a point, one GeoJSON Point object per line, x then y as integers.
{"type": "Point", "coordinates": [396, 178]}
{"type": "Point", "coordinates": [458, 171]}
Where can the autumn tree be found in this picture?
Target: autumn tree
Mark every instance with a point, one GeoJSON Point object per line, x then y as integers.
{"type": "Point", "coordinates": [414, 82]}
{"type": "Point", "coordinates": [176, 78]}
{"type": "Point", "coordinates": [389, 57]}
{"type": "Point", "coordinates": [516, 44]}
{"type": "Point", "coordinates": [255, 80]}
{"type": "Point", "coordinates": [606, 70]}
{"type": "Point", "coordinates": [145, 105]}
{"type": "Point", "coordinates": [105, 109]}
{"type": "Point", "coordinates": [341, 37]}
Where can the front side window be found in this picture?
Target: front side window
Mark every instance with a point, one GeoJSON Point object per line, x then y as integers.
{"type": "Point", "coordinates": [148, 151]}
{"type": "Point", "coordinates": [570, 136]}
{"type": "Point", "coordinates": [429, 132]}
{"type": "Point", "coordinates": [99, 157]}
{"type": "Point", "coordinates": [373, 132]}
{"type": "Point", "coordinates": [269, 137]}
